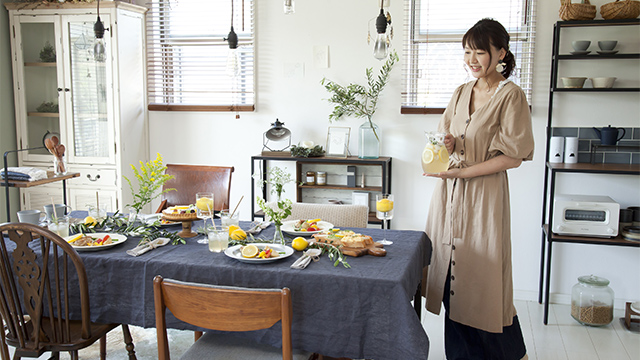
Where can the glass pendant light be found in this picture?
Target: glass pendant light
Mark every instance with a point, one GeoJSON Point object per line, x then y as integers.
{"type": "Point", "coordinates": [99, 50]}
{"type": "Point", "coordinates": [289, 7]}
{"type": "Point", "coordinates": [233, 58]}
{"type": "Point", "coordinates": [381, 45]}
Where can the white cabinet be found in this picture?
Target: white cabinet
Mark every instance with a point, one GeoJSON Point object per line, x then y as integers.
{"type": "Point", "coordinates": [98, 109]}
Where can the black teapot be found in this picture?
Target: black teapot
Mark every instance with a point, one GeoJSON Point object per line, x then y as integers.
{"type": "Point", "coordinates": [609, 135]}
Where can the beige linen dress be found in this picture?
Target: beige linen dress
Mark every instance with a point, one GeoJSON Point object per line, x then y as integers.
{"type": "Point", "coordinates": [469, 219]}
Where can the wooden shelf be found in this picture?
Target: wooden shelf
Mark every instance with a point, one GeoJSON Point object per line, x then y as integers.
{"type": "Point", "coordinates": [51, 178]}
{"type": "Point", "coordinates": [619, 169]}
{"type": "Point", "coordinates": [557, 89]}
{"type": "Point", "coordinates": [616, 241]}
{"type": "Point", "coordinates": [580, 23]}
{"type": "Point", "coordinates": [41, 64]}
{"type": "Point", "coordinates": [43, 114]}
{"type": "Point", "coordinates": [597, 56]}
{"type": "Point", "coordinates": [342, 187]}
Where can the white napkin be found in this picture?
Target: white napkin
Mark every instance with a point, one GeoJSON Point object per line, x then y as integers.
{"type": "Point", "coordinates": [34, 173]}
{"type": "Point", "coordinates": [141, 249]}
{"type": "Point", "coordinates": [257, 226]}
{"type": "Point", "coordinates": [305, 259]}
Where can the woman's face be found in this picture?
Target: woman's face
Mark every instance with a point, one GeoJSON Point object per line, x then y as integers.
{"type": "Point", "coordinates": [481, 63]}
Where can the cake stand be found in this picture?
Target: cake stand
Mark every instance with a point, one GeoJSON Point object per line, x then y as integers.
{"type": "Point", "coordinates": [186, 223]}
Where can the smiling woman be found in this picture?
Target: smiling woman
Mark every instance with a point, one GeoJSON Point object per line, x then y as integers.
{"type": "Point", "coordinates": [187, 54]}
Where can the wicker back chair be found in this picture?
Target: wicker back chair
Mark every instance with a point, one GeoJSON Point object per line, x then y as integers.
{"type": "Point", "coordinates": [338, 215]}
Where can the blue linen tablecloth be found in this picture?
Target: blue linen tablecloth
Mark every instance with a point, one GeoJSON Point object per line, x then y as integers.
{"type": "Point", "coordinates": [361, 312]}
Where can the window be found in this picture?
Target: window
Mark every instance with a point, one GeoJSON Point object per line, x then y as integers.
{"type": "Point", "coordinates": [433, 52]}
{"type": "Point", "coordinates": [187, 55]}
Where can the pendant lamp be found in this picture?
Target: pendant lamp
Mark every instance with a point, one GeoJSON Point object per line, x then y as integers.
{"type": "Point", "coordinates": [99, 50]}
{"type": "Point", "coordinates": [233, 58]}
{"type": "Point", "coordinates": [382, 42]}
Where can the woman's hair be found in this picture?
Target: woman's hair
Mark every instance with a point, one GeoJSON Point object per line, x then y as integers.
{"type": "Point", "coordinates": [487, 32]}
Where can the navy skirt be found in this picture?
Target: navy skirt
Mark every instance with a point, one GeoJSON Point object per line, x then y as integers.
{"type": "Point", "coordinates": [468, 343]}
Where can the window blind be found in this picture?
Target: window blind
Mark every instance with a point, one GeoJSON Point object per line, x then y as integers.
{"type": "Point", "coordinates": [187, 55]}
{"type": "Point", "coordinates": [433, 55]}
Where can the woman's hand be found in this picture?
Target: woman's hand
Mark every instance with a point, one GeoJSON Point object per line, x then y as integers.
{"type": "Point", "coordinates": [449, 174]}
{"type": "Point", "coordinates": [450, 143]}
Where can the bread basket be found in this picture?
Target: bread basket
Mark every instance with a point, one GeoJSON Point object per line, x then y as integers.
{"type": "Point", "coordinates": [626, 9]}
{"type": "Point", "coordinates": [569, 11]}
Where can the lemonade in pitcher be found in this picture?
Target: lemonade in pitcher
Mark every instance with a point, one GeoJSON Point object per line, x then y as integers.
{"type": "Point", "coordinates": [435, 157]}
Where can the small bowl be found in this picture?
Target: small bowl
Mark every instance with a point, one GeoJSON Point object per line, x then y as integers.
{"type": "Point", "coordinates": [607, 45]}
{"type": "Point", "coordinates": [573, 82]}
{"type": "Point", "coordinates": [581, 45]}
{"type": "Point", "coordinates": [603, 82]}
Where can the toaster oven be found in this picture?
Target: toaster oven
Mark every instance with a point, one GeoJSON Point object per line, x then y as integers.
{"type": "Point", "coordinates": [585, 215]}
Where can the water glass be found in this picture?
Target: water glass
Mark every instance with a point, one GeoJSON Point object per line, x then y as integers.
{"type": "Point", "coordinates": [60, 226]}
{"type": "Point", "coordinates": [229, 219]}
{"type": "Point", "coordinates": [218, 239]}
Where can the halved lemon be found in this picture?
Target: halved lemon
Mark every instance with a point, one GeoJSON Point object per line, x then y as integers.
{"type": "Point", "coordinates": [427, 156]}
{"type": "Point", "coordinates": [250, 251]}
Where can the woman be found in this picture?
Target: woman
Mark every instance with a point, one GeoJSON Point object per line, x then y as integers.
{"type": "Point", "coordinates": [488, 128]}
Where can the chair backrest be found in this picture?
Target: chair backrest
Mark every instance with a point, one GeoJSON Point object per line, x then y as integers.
{"type": "Point", "coordinates": [338, 215]}
{"type": "Point", "coordinates": [218, 309]}
{"type": "Point", "coordinates": [36, 270]}
{"type": "Point", "coordinates": [191, 179]}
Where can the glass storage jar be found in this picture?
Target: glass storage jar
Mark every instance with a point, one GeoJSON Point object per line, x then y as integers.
{"type": "Point", "coordinates": [321, 178]}
{"type": "Point", "coordinates": [592, 301]}
{"type": "Point", "coordinates": [311, 178]}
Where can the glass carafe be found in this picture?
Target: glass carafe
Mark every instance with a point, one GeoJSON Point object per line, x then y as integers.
{"type": "Point", "coordinates": [435, 157]}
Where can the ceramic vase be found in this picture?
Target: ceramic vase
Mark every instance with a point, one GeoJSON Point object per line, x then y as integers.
{"type": "Point", "coordinates": [369, 141]}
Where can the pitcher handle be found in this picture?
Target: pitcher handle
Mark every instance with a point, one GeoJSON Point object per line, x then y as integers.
{"type": "Point", "coordinates": [621, 136]}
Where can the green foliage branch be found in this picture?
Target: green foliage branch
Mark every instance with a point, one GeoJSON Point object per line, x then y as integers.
{"type": "Point", "coordinates": [150, 178]}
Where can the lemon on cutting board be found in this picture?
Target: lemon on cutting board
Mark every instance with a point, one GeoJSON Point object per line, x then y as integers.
{"type": "Point", "coordinates": [299, 243]}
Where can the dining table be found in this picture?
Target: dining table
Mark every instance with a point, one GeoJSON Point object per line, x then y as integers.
{"type": "Point", "coordinates": [364, 311]}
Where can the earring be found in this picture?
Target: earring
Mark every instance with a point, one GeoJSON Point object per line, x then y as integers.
{"type": "Point", "coordinates": [500, 66]}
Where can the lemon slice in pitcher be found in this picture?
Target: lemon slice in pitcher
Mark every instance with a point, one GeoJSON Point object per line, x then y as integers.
{"type": "Point", "coordinates": [427, 156]}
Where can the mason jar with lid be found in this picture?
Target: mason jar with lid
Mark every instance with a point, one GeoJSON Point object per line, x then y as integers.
{"type": "Point", "coordinates": [592, 301]}
{"type": "Point", "coordinates": [311, 178]}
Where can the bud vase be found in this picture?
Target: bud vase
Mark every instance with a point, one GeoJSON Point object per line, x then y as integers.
{"type": "Point", "coordinates": [278, 238]}
{"type": "Point", "coordinates": [369, 141]}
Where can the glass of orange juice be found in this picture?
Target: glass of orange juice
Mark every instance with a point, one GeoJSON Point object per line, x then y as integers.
{"type": "Point", "coordinates": [435, 157]}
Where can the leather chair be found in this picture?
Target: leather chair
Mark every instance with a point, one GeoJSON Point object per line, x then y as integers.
{"type": "Point", "coordinates": [191, 179]}
{"type": "Point", "coordinates": [338, 215]}
{"type": "Point", "coordinates": [224, 308]}
{"type": "Point", "coordinates": [36, 312]}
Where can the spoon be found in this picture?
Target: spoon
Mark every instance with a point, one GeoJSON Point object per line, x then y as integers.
{"type": "Point", "coordinates": [49, 145]}
{"type": "Point", "coordinates": [54, 140]}
{"type": "Point", "coordinates": [60, 150]}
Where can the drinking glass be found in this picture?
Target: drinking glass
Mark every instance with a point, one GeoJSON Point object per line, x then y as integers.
{"type": "Point", "coordinates": [218, 239]}
{"type": "Point", "coordinates": [60, 226]}
{"type": "Point", "coordinates": [204, 209]}
{"type": "Point", "coordinates": [384, 212]}
{"type": "Point", "coordinates": [227, 219]}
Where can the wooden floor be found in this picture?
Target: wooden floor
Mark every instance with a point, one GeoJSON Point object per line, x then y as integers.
{"type": "Point", "coordinates": [562, 339]}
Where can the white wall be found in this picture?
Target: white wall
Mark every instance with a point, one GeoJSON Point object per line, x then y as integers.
{"type": "Point", "coordinates": [287, 41]}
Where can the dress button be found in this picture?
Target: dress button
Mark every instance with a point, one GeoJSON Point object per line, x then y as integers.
{"type": "Point", "coordinates": [453, 277]}
{"type": "Point", "coordinates": [453, 262]}
{"type": "Point", "coordinates": [462, 136]}
{"type": "Point", "coordinates": [451, 292]}
{"type": "Point", "coordinates": [453, 247]}
{"type": "Point", "coordinates": [467, 121]}
{"type": "Point", "coordinates": [461, 152]}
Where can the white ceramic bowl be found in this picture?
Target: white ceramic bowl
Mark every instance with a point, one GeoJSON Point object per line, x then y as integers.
{"type": "Point", "coordinates": [573, 82]}
{"type": "Point", "coordinates": [607, 45]}
{"type": "Point", "coordinates": [603, 82]}
{"type": "Point", "coordinates": [580, 45]}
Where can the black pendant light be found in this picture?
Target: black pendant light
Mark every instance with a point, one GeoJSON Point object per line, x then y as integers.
{"type": "Point", "coordinates": [381, 45]}
{"type": "Point", "coordinates": [99, 50]}
{"type": "Point", "coordinates": [233, 59]}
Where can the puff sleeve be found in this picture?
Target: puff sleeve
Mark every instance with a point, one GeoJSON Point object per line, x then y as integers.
{"type": "Point", "coordinates": [514, 136]}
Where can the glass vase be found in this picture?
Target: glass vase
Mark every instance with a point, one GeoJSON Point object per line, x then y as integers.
{"type": "Point", "coordinates": [278, 238]}
{"type": "Point", "coordinates": [369, 141]}
{"type": "Point", "coordinates": [59, 165]}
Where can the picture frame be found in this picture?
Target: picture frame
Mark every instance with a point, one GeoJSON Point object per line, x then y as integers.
{"type": "Point", "coordinates": [360, 198]}
{"type": "Point", "coordinates": [338, 141]}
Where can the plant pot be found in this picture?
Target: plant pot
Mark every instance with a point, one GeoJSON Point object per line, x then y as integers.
{"type": "Point", "coordinates": [369, 141]}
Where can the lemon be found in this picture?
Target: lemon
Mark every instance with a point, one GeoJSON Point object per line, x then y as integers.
{"type": "Point", "coordinates": [205, 204]}
{"type": "Point", "coordinates": [75, 238]}
{"type": "Point", "coordinates": [299, 243]}
{"type": "Point", "coordinates": [233, 228]}
{"type": "Point", "coordinates": [238, 234]}
{"type": "Point", "coordinates": [427, 156]}
{"type": "Point", "coordinates": [250, 251]}
{"type": "Point", "coordinates": [384, 205]}
{"type": "Point", "coordinates": [90, 221]}
{"type": "Point", "coordinates": [444, 155]}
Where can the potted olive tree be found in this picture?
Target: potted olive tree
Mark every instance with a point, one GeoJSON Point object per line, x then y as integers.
{"type": "Point", "coordinates": [361, 102]}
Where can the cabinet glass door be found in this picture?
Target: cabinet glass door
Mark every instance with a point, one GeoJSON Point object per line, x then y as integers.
{"type": "Point", "coordinates": [89, 115]}
{"type": "Point", "coordinates": [39, 90]}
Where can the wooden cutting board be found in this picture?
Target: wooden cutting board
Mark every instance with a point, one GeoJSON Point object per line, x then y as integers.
{"type": "Point", "coordinates": [375, 249]}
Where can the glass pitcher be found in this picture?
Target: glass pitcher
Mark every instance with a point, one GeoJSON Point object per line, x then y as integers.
{"type": "Point", "coordinates": [435, 157]}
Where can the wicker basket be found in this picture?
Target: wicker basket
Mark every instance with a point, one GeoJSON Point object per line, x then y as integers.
{"type": "Point", "coordinates": [626, 9]}
{"type": "Point", "coordinates": [569, 11]}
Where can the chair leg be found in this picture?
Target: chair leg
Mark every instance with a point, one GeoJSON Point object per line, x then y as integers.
{"type": "Point", "coordinates": [128, 340]}
{"type": "Point", "coordinates": [73, 354]}
{"type": "Point", "coordinates": [103, 347]}
{"type": "Point", "coordinates": [197, 335]}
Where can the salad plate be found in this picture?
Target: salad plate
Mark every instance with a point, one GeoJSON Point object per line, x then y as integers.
{"type": "Point", "coordinates": [115, 238]}
{"type": "Point", "coordinates": [235, 252]}
{"type": "Point", "coordinates": [288, 227]}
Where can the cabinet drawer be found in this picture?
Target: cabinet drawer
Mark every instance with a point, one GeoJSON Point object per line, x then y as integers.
{"type": "Point", "coordinates": [95, 177]}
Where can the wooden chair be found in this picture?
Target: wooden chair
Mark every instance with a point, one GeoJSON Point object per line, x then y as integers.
{"type": "Point", "coordinates": [37, 292]}
{"type": "Point", "coordinates": [191, 179]}
{"type": "Point", "coordinates": [224, 308]}
{"type": "Point", "coordinates": [338, 215]}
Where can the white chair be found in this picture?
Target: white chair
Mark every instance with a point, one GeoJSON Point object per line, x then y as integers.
{"type": "Point", "coordinates": [338, 215]}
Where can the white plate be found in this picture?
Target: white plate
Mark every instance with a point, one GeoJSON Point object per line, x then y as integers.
{"type": "Point", "coordinates": [580, 52]}
{"type": "Point", "coordinates": [607, 52]}
{"type": "Point", "coordinates": [287, 227]}
{"type": "Point", "coordinates": [636, 306]}
{"type": "Point", "coordinates": [121, 239]}
{"type": "Point", "coordinates": [234, 253]}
